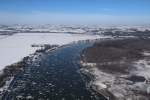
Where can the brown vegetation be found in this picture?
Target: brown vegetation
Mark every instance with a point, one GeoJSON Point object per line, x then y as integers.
{"type": "Point", "coordinates": [45, 47]}
{"type": "Point", "coordinates": [117, 55]}
{"type": "Point", "coordinates": [11, 70]}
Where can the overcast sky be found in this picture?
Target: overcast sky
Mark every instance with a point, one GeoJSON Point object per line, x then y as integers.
{"type": "Point", "coordinates": [96, 12]}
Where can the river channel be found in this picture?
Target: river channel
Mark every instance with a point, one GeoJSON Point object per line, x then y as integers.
{"type": "Point", "coordinates": [55, 76]}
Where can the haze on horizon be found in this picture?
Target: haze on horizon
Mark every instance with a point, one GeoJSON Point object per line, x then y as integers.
{"type": "Point", "coordinates": [95, 12]}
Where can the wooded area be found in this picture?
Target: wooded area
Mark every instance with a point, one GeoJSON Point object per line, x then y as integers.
{"type": "Point", "coordinates": [117, 55]}
{"type": "Point", "coordinates": [12, 70]}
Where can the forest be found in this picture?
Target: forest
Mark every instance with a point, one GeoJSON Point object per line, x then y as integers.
{"type": "Point", "coordinates": [117, 55]}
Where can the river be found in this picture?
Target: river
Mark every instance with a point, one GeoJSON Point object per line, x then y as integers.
{"type": "Point", "coordinates": [55, 76]}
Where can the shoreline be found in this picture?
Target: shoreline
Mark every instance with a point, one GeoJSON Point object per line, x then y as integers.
{"type": "Point", "coordinates": [116, 86]}
{"type": "Point", "coordinates": [103, 92]}
{"type": "Point", "coordinates": [37, 54]}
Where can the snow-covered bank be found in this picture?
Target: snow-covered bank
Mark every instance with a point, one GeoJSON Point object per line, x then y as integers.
{"type": "Point", "coordinates": [14, 48]}
{"type": "Point", "coordinates": [102, 61]}
{"type": "Point", "coordinates": [113, 86]}
{"type": "Point", "coordinates": [19, 46]}
{"type": "Point", "coordinates": [117, 85]}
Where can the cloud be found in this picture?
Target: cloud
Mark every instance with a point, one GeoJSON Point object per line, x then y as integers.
{"type": "Point", "coordinates": [60, 18]}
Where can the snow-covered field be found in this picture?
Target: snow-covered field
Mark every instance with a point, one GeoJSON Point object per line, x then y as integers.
{"type": "Point", "coordinates": [3, 36]}
{"type": "Point", "coordinates": [15, 47]}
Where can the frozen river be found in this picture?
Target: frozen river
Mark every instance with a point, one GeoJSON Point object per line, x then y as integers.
{"type": "Point", "coordinates": [55, 76]}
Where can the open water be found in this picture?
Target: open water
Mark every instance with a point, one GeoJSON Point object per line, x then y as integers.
{"type": "Point", "coordinates": [55, 76]}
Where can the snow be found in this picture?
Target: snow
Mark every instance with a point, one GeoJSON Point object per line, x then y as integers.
{"type": "Point", "coordinates": [5, 87]}
{"type": "Point", "coordinates": [146, 54]}
{"type": "Point", "coordinates": [142, 68]}
{"type": "Point", "coordinates": [148, 90]}
{"type": "Point", "coordinates": [2, 36]}
{"type": "Point", "coordinates": [15, 47]}
{"type": "Point", "coordinates": [87, 29]}
{"type": "Point", "coordinates": [89, 64]}
{"type": "Point", "coordinates": [120, 87]}
{"type": "Point", "coordinates": [103, 79]}
{"type": "Point", "coordinates": [101, 85]}
{"type": "Point", "coordinates": [1, 72]}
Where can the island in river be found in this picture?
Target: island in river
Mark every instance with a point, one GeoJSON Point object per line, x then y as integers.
{"type": "Point", "coordinates": [120, 69]}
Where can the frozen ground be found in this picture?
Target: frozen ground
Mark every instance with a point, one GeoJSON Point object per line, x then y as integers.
{"type": "Point", "coordinates": [14, 48]}
{"type": "Point", "coordinates": [120, 87]}
{"type": "Point", "coordinates": [3, 36]}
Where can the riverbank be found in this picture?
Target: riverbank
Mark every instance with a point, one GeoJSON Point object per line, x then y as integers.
{"type": "Point", "coordinates": [55, 76]}
{"type": "Point", "coordinates": [115, 87]}
{"type": "Point", "coordinates": [12, 73]}
{"type": "Point", "coordinates": [87, 70]}
{"type": "Point", "coordinates": [111, 81]}
{"type": "Point", "coordinates": [32, 57]}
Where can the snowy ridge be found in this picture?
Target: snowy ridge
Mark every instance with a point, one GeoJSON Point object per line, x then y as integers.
{"type": "Point", "coordinates": [87, 29]}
